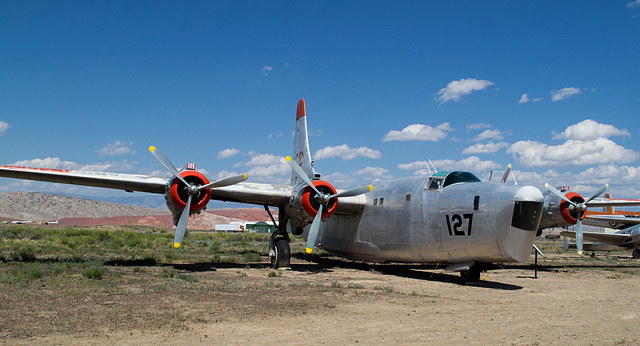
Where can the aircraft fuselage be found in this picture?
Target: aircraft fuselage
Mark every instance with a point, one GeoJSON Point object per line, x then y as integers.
{"type": "Point", "coordinates": [416, 220]}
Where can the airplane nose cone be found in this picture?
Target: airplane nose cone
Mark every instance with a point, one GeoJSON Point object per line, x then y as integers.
{"type": "Point", "coordinates": [527, 211]}
{"type": "Point", "coordinates": [528, 193]}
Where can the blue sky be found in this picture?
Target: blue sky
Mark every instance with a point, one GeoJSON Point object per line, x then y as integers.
{"type": "Point", "coordinates": [550, 87]}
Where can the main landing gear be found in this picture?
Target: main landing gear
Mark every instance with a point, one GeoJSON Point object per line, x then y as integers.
{"type": "Point", "coordinates": [471, 275]}
{"type": "Point", "coordinates": [636, 253]}
{"type": "Point", "coordinates": [279, 250]}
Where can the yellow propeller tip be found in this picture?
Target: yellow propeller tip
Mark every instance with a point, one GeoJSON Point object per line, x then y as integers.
{"type": "Point", "coordinates": [288, 158]}
{"type": "Point", "coordinates": [246, 176]}
{"type": "Point", "coordinates": [176, 245]}
{"type": "Point", "coordinates": [152, 148]}
{"type": "Point", "coordinates": [370, 187]}
{"type": "Point", "coordinates": [546, 185]}
{"type": "Point", "coordinates": [309, 250]}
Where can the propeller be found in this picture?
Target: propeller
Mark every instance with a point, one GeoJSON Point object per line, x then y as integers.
{"type": "Point", "coordinates": [580, 209]}
{"type": "Point", "coordinates": [324, 199]}
{"type": "Point", "coordinates": [193, 190]}
{"type": "Point", "coordinates": [505, 175]}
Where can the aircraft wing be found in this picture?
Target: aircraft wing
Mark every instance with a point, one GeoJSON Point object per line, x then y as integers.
{"type": "Point", "coordinates": [250, 193]}
{"type": "Point", "coordinates": [607, 238]}
{"type": "Point", "coordinates": [624, 219]}
{"type": "Point", "coordinates": [118, 181]}
{"type": "Point", "coordinates": [277, 195]}
{"type": "Point", "coordinates": [607, 202]}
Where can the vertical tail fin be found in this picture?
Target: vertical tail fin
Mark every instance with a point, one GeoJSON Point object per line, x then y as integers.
{"type": "Point", "coordinates": [301, 152]}
{"type": "Point", "coordinates": [609, 210]}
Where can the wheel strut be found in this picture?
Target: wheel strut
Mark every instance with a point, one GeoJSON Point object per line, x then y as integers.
{"type": "Point", "coordinates": [279, 249]}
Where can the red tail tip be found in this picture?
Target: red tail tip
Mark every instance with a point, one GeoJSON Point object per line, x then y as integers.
{"type": "Point", "coordinates": [301, 110]}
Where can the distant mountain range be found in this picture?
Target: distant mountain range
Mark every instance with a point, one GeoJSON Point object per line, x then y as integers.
{"type": "Point", "coordinates": [44, 207]}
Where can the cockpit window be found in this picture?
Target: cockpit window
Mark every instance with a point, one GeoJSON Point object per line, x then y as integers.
{"type": "Point", "coordinates": [460, 177]}
{"type": "Point", "coordinates": [434, 183]}
{"type": "Point", "coordinates": [443, 179]}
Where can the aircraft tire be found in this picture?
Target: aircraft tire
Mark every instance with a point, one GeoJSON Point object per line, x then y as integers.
{"type": "Point", "coordinates": [471, 275]}
{"type": "Point", "coordinates": [636, 253]}
{"type": "Point", "coordinates": [282, 255]}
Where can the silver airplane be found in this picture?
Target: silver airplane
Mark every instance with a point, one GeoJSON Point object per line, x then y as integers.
{"type": "Point", "coordinates": [628, 238]}
{"type": "Point", "coordinates": [449, 218]}
{"type": "Point", "coordinates": [563, 208]}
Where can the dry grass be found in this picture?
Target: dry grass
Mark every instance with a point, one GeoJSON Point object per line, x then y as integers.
{"type": "Point", "coordinates": [93, 282]}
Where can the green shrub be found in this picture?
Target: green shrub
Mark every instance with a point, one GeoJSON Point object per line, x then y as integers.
{"type": "Point", "coordinates": [251, 257]}
{"type": "Point", "coordinates": [93, 273]}
{"type": "Point", "coordinates": [26, 254]}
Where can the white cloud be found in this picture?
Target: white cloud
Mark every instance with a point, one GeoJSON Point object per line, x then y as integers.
{"type": "Point", "coordinates": [57, 163]}
{"type": "Point", "coordinates": [488, 134]}
{"type": "Point", "coordinates": [477, 126]}
{"type": "Point", "coordinates": [49, 162]}
{"type": "Point", "coordinates": [416, 165]}
{"type": "Point", "coordinates": [524, 98]}
{"type": "Point", "coordinates": [563, 93]}
{"type": "Point", "coordinates": [457, 88]}
{"type": "Point", "coordinates": [264, 160]}
{"type": "Point", "coordinates": [571, 153]}
{"type": "Point", "coordinates": [488, 148]}
{"type": "Point", "coordinates": [279, 169]}
{"type": "Point", "coordinates": [266, 69]}
{"type": "Point", "coordinates": [117, 148]}
{"type": "Point", "coordinates": [223, 154]}
{"type": "Point", "coordinates": [267, 168]}
{"type": "Point", "coordinates": [590, 129]}
{"type": "Point", "coordinates": [471, 164]}
{"type": "Point", "coordinates": [419, 132]}
{"type": "Point", "coordinates": [3, 127]}
{"type": "Point", "coordinates": [346, 153]}
{"type": "Point", "coordinates": [373, 172]}
{"type": "Point", "coordinates": [634, 4]}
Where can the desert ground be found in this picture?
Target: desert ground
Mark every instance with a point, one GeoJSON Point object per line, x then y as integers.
{"type": "Point", "coordinates": [328, 300]}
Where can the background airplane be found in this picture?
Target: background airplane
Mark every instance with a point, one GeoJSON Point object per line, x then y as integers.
{"type": "Point", "coordinates": [628, 238]}
{"type": "Point", "coordinates": [563, 208]}
{"type": "Point", "coordinates": [448, 217]}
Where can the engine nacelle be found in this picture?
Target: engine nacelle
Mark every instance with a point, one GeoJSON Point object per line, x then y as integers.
{"type": "Point", "coordinates": [177, 194]}
{"type": "Point", "coordinates": [567, 211]}
{"type": "Point", "coordinates": [559, 213]}
{"type": "Point", "coordinates": [307, 200]}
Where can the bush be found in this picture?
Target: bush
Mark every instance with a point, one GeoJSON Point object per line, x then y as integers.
{"type": "Point", "coordinates": [251, 257]}
{"type": "Point", "coordinates": [94, 273]}
{"type": "Point", "coordinates": [26, 254]}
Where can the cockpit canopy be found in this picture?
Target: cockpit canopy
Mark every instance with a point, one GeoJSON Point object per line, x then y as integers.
{"type": "Point", "coordinates": [443, 179]}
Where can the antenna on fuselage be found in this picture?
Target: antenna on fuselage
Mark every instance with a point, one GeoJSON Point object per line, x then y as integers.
{"type": "Point", "coordinates": [432, 165]}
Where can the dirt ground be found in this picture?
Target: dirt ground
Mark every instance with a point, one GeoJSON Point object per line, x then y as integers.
{"type": "Point", "coordinates": [338, 302]}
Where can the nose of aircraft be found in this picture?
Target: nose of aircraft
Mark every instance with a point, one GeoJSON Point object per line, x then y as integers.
{"type": "Point", "coordinates": [527, 211]}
